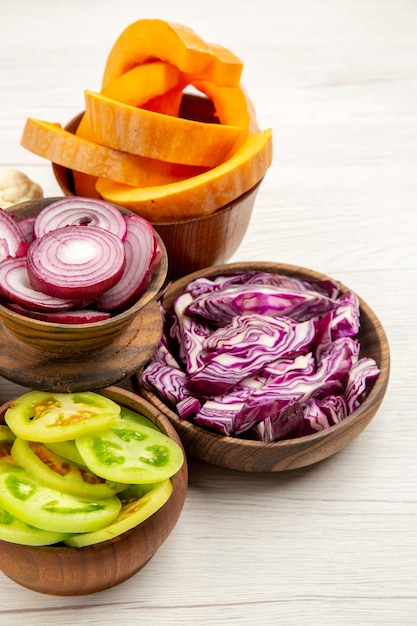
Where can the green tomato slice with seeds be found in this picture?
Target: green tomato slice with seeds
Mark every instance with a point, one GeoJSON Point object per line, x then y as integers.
{"type": "Point", "coordinates": [133, 512]}
{"type": "Point", "coordinates": [67, 449]}
{"type": "Point", "coordinates": [14, 530]}
{"type": "Point", "coordinates": [36, 504]}
{"type": "Point", "coordinates": [129, 452]}
{"type": "Point", "coordinates": [48, 417]}
{"type": "Point", "coordinates": [59, 473]}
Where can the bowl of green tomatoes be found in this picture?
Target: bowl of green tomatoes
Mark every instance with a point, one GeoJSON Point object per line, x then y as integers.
{"type": "Point", "coordinates": [91, 484]}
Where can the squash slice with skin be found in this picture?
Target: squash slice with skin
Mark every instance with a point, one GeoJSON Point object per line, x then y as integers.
{"type": "Point", "coordinates": [143, 82]}
{"type": "Point", "coordinates": [225, 69]}
{"type": "Point", "coordinates": [158, 136]}
{"type": "Point", "coordinates": [60, 146]}
{"type": "Point", "coordinates": [151, 39]}
{"type": "Point", "coordinates": [152, 82]}
{"type": "Point", "coordinates": [232, 104]}
{"type": "Point", "coordinates": [198, 195]}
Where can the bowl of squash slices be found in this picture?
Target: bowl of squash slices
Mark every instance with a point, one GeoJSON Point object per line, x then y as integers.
{"type": "Point", "coordinates": [171, 135]}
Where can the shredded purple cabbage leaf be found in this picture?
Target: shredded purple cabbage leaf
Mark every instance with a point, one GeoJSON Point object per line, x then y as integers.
{"type": "Point", "coordinates": [261, 356]}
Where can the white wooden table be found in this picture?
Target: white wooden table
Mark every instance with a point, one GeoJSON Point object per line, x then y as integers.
{"type": "Point", "coordinates": [335, 544]}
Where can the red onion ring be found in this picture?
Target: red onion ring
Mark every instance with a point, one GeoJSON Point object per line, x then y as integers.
{"type": "Point", "coordinates": [76, 316]}
{"type": "Point", "coordinates": [12, 241]}
{"type": "Point", "coordinates": [76, 262]}
{"type": "Point", "coordinates": [16, 287]}
{"type": "Point", "coordinates": [142, 252]}
{"type": "Point", "coordinates": [78, 211]}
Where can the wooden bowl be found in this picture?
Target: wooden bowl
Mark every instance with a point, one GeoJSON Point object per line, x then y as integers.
{"type": "Point", "coordinates": [196, 243]}
{"type": "Point", "coordinates": [51, 355]}
{"type": "Point", "coordinates": [255, 456]}
{"type": "Point", "coordinates": [64, 571]}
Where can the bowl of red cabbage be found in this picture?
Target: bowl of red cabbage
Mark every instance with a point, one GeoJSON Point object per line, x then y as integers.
{"type": "Point", "coordinates": [265, 366]}
{"type": "Point", "coordinates": [75, 272]}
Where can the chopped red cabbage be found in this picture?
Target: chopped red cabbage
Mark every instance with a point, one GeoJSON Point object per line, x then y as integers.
{"type": "Point", "coordinates": [262, 356]}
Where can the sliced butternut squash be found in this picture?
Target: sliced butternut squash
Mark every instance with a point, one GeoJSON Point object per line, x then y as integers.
{"type": "Point", "coordinates": [60, 146]}
{"type": "Point", "coordinates": [151, 39]}
{"type": "Point", "coordinates": [157, 136]}
{"type": "Point", "coordinates": [85, 185]}
{"type": "Point", "coordinates": [168, 103]}
{"type": "Point", "coordinates": [199, 195]}
{"type": "Point", "coordinates": [225, 68]}
{"type": "Point", "coordinates": [143, 82]}
{"type": "Point", "coordinates": [232, 104]}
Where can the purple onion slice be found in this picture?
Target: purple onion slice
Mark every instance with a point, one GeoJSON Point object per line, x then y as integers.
{"type": "Point", "coordinates": [80, 212]}
{"type": "Point", "coordinates": [12, 241]}
{"type": "Point", "coordinates": [16, 287]}
{"type": "Point", "coordinates": [75, 262]}
{"type": "Point", "coordinates": [73, 316]}
{"type": "Point", "coordinates": [142, 253]}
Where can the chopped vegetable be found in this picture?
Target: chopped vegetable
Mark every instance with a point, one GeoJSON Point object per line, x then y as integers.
{"type": "Point", "coordinates": [157, 136]}
{"type": "Point", "coordinates": [12, 240]}
{"type": "Point", "coordinates": [49, 493]}
{"type": "Point", "coordinates": [46, 416]}
{"type": "Point", "coordinates": [79, 212]}
{"type": "Point", "coordinates": [34, 503]}
{"type": "Point", "coordinates": [261, 356]}
{"type": "Point", "coordinates": [142, 142]}
{"type": "Point", "coordinates": [78, 255]}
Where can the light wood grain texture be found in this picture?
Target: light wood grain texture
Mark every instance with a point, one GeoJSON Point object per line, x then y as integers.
{"type": "Point", "coordinates": [334, 543]}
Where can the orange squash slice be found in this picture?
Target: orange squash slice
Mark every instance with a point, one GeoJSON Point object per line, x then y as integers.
{"type": "Point", "coordinates": [153, 39]}
{"type": "Point", "coordinates": [60, 146]}
{"type": "Point", "coordinates": [232, 104]}
{"type": "Point", "coordinates": [143, 82]}
{"type": "Point", "coordinates": [225, 68]}
{"type": "Point", "coordinates": [198, 195]}
{"type": "Point", "coordinates": [157, 136]}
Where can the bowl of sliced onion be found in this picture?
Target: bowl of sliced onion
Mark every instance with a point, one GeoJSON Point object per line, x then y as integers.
{"type": "Point", "coordinates": [78, 284]}
{"type": "Point", "coordinates": [266, 367]}
{"type": "Point", "coordinates": [85, 525]}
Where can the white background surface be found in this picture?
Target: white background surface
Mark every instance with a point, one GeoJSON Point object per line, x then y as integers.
{"type": "Point", "coordinates": [335, 544]}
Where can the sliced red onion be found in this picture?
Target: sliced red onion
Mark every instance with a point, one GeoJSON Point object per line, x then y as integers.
{"type": "Point", "coordinates": [26, 228]}
{"type": "Point", "coordinates": [142, 253]}
{"type": "Point", "coordinates": [76, 262]}
{"type": "Point", "coordinates": [78, 211]}
{"type": "Point", "coordinates": [15, 285]}
{"type": "Point", "coordinates": [12, 241]}
{"type": "Point", "coordinates": [76, 316]}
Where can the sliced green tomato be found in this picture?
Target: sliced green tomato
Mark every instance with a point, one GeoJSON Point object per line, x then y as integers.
{"type": "Point", "coordinates": [6, 452]}
{"type": "Point", "coordinates": [59, 473]}
{"type": "Point", "coordinates": [138, 418]}
{"type": "Point", "coordinates": [46, 416]}
{"type": "Point", "coordinates": [67, 449]}
{"type": "Point", "coordinates": [38, 505]}
{"type": "Point", "coordinates": [131, 514]}
{"type": "Point", "coordinates": [6, 435]}
{"type": "Point", "coordinates": [129, 452]}
{"type": "Point", "coordinates": [14, 530]}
